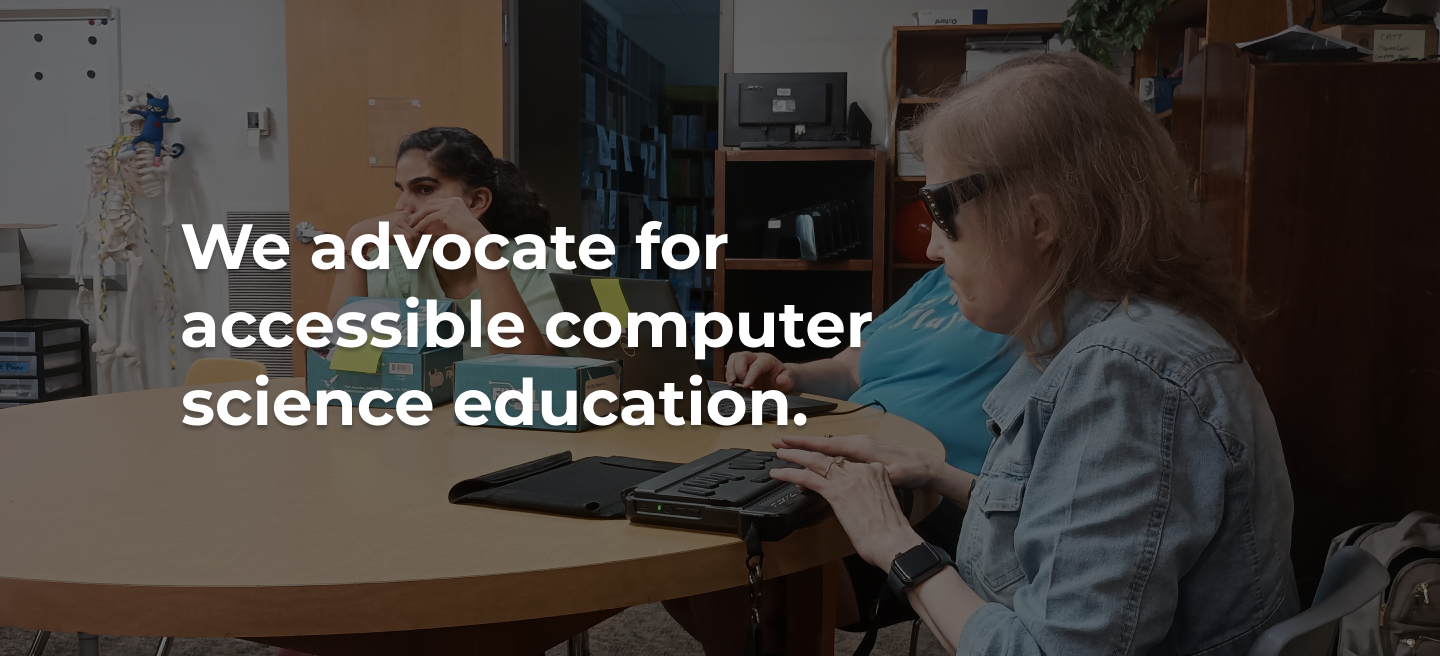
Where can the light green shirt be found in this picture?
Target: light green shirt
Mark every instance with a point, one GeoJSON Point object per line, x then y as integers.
{"type": "Point", "coordinates": [534, 286]}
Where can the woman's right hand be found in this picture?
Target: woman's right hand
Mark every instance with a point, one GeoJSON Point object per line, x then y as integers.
{"type": "Point", "coordinates": [399, 225]}
{"type": "Point", "coordinates": [908, 468]}
{"type": "Point", "coordinates": [760, 371]}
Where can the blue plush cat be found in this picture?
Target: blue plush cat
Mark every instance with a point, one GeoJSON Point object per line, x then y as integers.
{"type": "Point", "coordinates": [153, 131]}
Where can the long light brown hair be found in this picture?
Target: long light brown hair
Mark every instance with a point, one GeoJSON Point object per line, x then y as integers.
{"type": "Point", "coordinates": [1062, 128]}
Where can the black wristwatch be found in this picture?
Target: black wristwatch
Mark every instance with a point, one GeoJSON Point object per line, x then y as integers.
{"type": "Point", "coordinates": [921, 562]}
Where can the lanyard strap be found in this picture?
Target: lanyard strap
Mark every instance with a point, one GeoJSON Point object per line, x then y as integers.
{"type": "Point", "coordinates": [754, 562]}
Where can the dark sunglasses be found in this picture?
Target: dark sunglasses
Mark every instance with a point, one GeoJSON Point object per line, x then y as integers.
{"type": "Point", "coordinates": [944, 199]}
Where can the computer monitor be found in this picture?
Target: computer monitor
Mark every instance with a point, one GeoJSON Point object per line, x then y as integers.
{"type": "Point", "coordinates": [766, 107]}
{"type": "Point", "coordinates": [1362, 12]}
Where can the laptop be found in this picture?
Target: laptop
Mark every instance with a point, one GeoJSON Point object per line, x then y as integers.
{"type": "Point", "coordinates": [647, 367]}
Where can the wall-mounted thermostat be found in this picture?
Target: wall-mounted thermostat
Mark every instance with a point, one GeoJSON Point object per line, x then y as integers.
{"type": "Point", "coordinates": [257, 124]}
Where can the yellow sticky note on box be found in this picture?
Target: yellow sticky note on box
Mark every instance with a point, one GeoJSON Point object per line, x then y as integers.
{"type": "Point", "coordinates": [364, 359]}
{"type": "Point", "coordinates": [612, 300]}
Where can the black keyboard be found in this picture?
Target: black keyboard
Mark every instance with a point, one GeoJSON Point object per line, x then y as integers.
{"type": "Point", "coordinates": [726, 491]}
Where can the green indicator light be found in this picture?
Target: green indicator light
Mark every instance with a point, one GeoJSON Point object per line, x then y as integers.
{"type": "Point", "coordinates": [659, 506]}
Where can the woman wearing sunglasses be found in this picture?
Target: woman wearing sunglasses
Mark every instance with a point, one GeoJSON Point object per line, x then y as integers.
{"type": "Point", "coordinates": [921, 360]}
{"type": "Point", "coordinates": [1135, 497]}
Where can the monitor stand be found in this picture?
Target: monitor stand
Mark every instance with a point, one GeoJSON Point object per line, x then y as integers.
{"type": "Point", "coordinates": [804, 144]}
{"type": "Point", "coordinates": [1379, 18]}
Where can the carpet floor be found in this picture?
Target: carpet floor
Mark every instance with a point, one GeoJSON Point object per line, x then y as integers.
{"type": "Point", "coordinates": [640, 630]}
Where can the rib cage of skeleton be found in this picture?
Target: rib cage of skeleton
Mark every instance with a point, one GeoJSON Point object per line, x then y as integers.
{"type": "Point", "coordinates": [113, 236]}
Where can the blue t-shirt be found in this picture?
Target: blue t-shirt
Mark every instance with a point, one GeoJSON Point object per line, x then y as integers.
{"type": "Point", "coordinates": [925, 362]}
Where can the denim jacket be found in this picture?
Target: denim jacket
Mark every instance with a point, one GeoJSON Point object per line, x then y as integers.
{"type": "Point", "coordinates": [1135, 498]}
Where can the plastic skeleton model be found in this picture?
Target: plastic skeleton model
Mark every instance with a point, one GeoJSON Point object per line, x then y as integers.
{"type": "Point", "coordinates": [135, 162]}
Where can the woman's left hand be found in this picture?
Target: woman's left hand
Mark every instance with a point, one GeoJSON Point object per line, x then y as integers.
{"type": "Point", "coordinates": [446, 216]}
{"type": "Point", "coordinates": [862, 498]}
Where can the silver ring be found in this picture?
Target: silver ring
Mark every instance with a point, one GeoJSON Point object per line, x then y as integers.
{"type": "Point", "coordinates": [837, 460]}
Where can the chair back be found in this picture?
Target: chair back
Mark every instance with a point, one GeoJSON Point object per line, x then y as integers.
{"type": "Point", "coordinates": [223, 370]}
{"type": "Point", "coordinates": [1351, 579]}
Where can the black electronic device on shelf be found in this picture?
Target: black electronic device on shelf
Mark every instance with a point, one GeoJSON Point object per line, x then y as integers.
{"type": "Point", "coordinates": [789, 111]}
{"type": "Point", "coordinates": [1363, 12]}
{"type": "Point", "coordinates": [729, 491]}
{"type": "Point", "coordinates": [827, 231]}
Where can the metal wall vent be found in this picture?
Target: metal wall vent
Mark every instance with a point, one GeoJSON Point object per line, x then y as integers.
{"type": "Point", "coordinates": [258, 291]}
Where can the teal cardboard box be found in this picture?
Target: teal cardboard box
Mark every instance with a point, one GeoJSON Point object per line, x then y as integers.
{"type": "Point", "coordinates": [401, 368]}
{"type": "Point", "coordinates": [494, 375]}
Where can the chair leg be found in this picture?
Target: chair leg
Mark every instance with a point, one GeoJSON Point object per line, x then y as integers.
{"type": "Point", "coordinates": [89, 644]}
{"type": "Point", "coordinates": [38, 646]}
{"type": "Point", "coordinates": [162, 648]}
{"type": "Point", "coordinates": [579, 645]}
{"type": "Point", "coordinates": [914, 636]}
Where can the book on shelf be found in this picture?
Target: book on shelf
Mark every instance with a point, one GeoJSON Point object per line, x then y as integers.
{"type": "Point", "coordinates": [695, 131]}
{"type": "Point", "coordinates": [663, 167]}
{"type": "Point", "coordinates": [680, 177]}
{"type": "Point", "coordinates": [589, 217]}
{"type": "Point", "coordinates": [589, 97]}
{"type": "Point", "coordinates": [678, 126]}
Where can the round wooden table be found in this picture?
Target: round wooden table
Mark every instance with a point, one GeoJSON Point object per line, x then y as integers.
{"type": "Point", "coordinates": [120, 520]}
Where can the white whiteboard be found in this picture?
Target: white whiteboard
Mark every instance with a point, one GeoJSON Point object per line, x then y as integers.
{"type": "Point", "coordinates": [50, 121]}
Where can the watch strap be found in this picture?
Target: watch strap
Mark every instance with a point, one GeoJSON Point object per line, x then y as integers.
{"type": "Point", "coordinates": [897, 585]}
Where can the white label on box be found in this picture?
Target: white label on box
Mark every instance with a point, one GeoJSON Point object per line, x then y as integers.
{"type": "Point", "coordinates": [774, 224]}
{"type": "Point", "coordinates": [1391, 45]}
{"type": "Point", "coordinates": [402, 368]}
{"type": "Point", "coordinates": [782, 92]}
{"type": "Point", "coordinates": [780, 106]}
{"type": "Point", "coordinates": [945, 17]}
{"type": "Point", "coordinates": [610, 384]}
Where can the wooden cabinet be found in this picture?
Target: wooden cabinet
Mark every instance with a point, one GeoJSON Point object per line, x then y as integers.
{"type": "Point", "coordinates": [1185, 24]}
{"type": "Point", "coordinates": [342, 57]}
{"type": "Point", "coordinates": [1323, 178]}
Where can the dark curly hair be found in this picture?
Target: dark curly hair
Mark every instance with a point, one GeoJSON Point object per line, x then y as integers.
{"type": "Point", "coordinates": [515, 208]}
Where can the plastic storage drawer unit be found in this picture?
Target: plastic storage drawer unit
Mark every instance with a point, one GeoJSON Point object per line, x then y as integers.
{"type": "Point", "coordinates": [43, 360]}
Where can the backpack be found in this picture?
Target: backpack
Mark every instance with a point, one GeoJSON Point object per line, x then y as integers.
{"type": "Point", "coordinates": [1405, 619]}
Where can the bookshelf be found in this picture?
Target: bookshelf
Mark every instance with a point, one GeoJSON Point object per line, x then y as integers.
{"type": "Point", "coordinates": [620, 98]}
{"type": "Point", "coordinates": [926, 60]}
{"type": "Point", "coordinates": [752, 186]}
{"type": "Point", "coordinates": [688, 116]}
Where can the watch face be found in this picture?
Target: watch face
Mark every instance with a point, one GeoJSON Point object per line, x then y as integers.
{"type": "Point", "coordinates": [916, 562]}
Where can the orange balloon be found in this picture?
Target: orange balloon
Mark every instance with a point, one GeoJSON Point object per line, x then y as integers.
{"type": "Point", "coordinates": [911, 233]}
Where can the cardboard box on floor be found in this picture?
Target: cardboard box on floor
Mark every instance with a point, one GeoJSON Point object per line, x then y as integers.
{"type": "Point", "coordinates": [397, 369]}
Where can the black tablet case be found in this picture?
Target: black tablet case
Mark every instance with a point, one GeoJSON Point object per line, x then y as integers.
{"type": "Point", "coordinates": [589, 487]}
